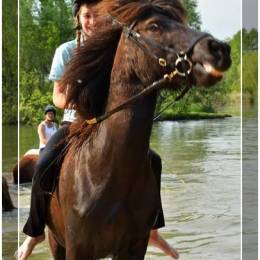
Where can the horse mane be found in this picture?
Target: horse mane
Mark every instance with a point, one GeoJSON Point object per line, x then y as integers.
{"type": "Point", "coordinates": [87, 77]}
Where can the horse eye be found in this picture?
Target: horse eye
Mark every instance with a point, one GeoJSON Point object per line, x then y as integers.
{"type": "Point", "coordinates": [154, 27]}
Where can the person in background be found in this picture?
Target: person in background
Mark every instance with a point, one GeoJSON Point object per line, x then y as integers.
{"type": "Point", "coordinates": [84, 14]}
{"type": "Point", "coordinates": [47, 127]}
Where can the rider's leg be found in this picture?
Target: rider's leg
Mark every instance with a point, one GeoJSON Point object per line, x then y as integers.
{"type": "Point", "coordinates": [34, 227]}
{"type": "Point", "coordinates": [156, 165]}
{"type": "Point", "coordinates": [46, 163]}
{"type": "Point", "coordinates": [155, 238]}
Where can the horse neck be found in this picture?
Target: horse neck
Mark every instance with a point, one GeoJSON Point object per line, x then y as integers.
{"type": "Point", "coordinates": [130, 129]}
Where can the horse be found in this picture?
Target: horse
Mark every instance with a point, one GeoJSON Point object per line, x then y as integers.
{"type": "Point", "coordinates": [6, 198]}
{"type": "Point", "coordinates": [106, 200]}
{"type": "Point", "coordinates": [26, 166]}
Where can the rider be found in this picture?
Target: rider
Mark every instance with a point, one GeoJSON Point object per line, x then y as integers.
{"type": "Point", "coordinates": [47, 127]}
{"type": "Point", "coordinates": [83, 11]}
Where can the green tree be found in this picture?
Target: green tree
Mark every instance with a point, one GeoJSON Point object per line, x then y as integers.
{"type": "Point", "coordinates": [44, 25]}
{"type": "Point", "coordinates": [249, 39]}
{"type": "Point", "coordinates": [194, 18]}
{"type": "Point", "coordinates": [250, 70]}
{"type": "Point", "coordinates": [250, 65]}
{"type": "Point", "coordinates": [9, 71]}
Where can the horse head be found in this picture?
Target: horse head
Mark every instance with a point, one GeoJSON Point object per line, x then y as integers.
{"type": "Point", "coordinates": [145, 41]}
{"type": "Point", "coordinates": [158, 42]}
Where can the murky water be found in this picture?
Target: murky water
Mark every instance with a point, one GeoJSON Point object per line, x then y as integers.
{"type": "Point", "coordinates": [201, 184]}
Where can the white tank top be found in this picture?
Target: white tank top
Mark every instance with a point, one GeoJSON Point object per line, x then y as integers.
{"type": "Point", "coordinates": [49, 131]}
{"type": "Point", "coordinates": [69, 115]}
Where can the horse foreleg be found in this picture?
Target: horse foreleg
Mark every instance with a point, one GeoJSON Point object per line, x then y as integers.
{"type": "Point", "coordinates": [58, 251]}
{"type": "Point", "coordinates": [79, 252]}
{"type": "Point", "coordinates": [136, 251]}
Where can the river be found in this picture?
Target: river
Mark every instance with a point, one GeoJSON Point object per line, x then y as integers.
{"type": "Point", "coordinates": [201, 184]}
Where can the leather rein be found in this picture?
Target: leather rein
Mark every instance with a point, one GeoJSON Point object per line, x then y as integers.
{"type": "Point", "coordinates": [181, 67]}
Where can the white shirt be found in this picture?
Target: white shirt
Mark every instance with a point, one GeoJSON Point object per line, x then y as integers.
{"type": "Point", "coordinates": [48, 132]}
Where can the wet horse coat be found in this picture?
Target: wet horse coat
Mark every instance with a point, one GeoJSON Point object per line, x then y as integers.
{"type": "Point", "coordinates": [107, 200]}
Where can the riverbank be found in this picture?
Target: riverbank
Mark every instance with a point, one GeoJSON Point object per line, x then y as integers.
{"type": "Point", "coordinates": [168, 115]}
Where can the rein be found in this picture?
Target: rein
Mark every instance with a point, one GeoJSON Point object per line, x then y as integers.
{"type": "Point", "coordinates": [182, 67]}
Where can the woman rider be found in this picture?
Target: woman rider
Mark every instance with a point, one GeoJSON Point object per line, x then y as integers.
{"type": "Point", "coordinates": [83, 11]}
{"type": "Point", "coordinates": [47, 127]}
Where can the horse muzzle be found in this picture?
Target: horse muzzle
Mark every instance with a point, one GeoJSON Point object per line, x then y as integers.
{"type": "Point", "coordinates": [210, 58]}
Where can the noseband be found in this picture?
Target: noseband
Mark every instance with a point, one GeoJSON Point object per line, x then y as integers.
{"type": "Point", "coordinates": [182, 67]}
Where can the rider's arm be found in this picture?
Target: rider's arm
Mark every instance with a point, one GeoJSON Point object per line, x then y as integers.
{"type": "Point", "coordinates": [41, 133]}
{"type": "Point", "coordinates": [61, 58]}
{"type": "Point", "coordinates": [59, 96]}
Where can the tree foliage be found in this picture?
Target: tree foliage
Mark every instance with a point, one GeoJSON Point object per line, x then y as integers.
{"type": "Point", "coordinates": [44, 25]}
{"type": "Point", "coordinates": [250, 80]}
{"type": "Point", "coordinates": [249, 39]}
{"type": "Point", "coordinates": [250, 65]}
{"type": "Point", "coordinates": [194, 18]}
{"type": "Point", "coordinates": [9, 60]}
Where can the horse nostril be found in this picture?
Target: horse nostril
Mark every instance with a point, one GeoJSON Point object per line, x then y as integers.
{"type": "Point", "coordinates": [219, 48]}
{"type": "Point", "coordinates": [214, 45]}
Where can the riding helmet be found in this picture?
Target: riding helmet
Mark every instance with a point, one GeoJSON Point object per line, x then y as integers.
{"type": "Point", "coordinates": [49, 108]}
{"type": "Point", "coordinates": [77, 3]}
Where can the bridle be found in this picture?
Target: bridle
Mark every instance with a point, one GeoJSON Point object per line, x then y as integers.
{"type": "Point", "coordinates": [182, 67]}
{"type": "Point", "coordinates": [181, 57]}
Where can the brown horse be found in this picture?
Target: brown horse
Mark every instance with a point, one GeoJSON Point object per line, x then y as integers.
{"type": "Point", "coordinates": [26, 167]}
{"type": "Point", "coordinates": [107, 200]}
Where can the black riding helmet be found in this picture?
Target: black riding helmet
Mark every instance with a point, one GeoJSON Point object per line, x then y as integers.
{"type": "Point", "coordinates": [77, 3]}
{"type": "Point", "coordinates": [49, 108]}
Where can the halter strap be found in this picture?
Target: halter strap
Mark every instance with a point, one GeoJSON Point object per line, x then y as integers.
{"type": "Point", "coordinates": [154, 86]}
{"type": "Point", "coordinates": [136, 37]}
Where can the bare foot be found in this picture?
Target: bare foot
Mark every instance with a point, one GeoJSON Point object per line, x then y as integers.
{"type": "Point", "coordinates": [158, 241]}
{"type": "Point", "coordinates": [25, 250]}
{"type": "Point", "coordinates": [172, 252]}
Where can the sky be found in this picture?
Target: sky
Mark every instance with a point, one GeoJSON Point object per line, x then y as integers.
{"type": "Point", "coordinates": [250, 9]}
{"type": "Point", "coordinates": [222, 18]}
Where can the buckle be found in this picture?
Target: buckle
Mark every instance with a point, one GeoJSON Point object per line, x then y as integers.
{"type": "Point", "coordinates": [183, 65]}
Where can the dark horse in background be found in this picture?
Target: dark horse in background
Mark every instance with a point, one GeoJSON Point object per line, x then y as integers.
{"type": "Point", "coordinates": [26, 166]}
{"type": "Point", "coordinates": [107, 200]}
